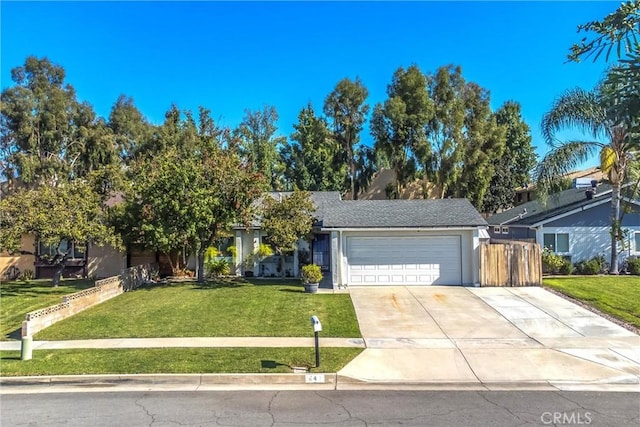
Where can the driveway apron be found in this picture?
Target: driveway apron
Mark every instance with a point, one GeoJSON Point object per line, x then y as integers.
{"type": "Point", "coordinates": [488, 337]}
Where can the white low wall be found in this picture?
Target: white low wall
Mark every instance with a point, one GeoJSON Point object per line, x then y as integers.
{"type": "Point", "coordinates": [103, 290]}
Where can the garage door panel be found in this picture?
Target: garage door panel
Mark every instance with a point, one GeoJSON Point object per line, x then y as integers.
{"type": "Point", "coordinates": [404, 260]}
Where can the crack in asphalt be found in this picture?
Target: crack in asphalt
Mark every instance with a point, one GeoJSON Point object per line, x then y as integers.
{"type": "Point", "coordinates": [351, 417]}
{"type": "Point", "coordinates": [146, 411]}
{"type": "Point", "coordinates": [503, 407]}
{"type": "Point", "coordinates": [269, 409]}
{"type": "Point", "coordinates": [581, 406]}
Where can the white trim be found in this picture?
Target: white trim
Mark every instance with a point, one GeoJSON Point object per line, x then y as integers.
{"type": "Point", "coordinates": [401, 229]}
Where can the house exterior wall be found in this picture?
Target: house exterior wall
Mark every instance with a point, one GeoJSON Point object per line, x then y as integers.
{"type": "Point", "coordinates": [105, 261]}
{"type": "Point", "coordinates": [21, 262]}
{"type": "Point", "coordinates": [248, 240]}
{"type": "Point", "coordinates": [513, 232]}
{"type": "Point", "coordinates": [468, 247]}
{"type": "Point", "coordinates": [589, 230]}
{"type": "Point", "coordinates": [591, 241]}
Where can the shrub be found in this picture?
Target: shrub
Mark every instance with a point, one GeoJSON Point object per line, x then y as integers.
{"type": "Point", "coordinates": [218, 267]}
{"type": "Point", "coordinates": [633, 266]}
{"type": "Point", "coordinates": [593, 266]}
{"type": "Point", "coordinates": [566, 267]}
{"type": "Point", "coordinates": [27, 275]}
{"type": "Point", "coordinates": [552, 262]}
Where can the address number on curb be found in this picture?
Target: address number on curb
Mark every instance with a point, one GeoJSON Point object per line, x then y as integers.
{"type": "Point", "coordinates": [314, 378]}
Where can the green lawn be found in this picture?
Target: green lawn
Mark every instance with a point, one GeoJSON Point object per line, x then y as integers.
{"type": "Point", "coordinates": [618, 296]}
{"type": "Point", "coordinates": [173, 360]}
{"type": "Point", "coordinates": [217, 309]}
{"type": "Point", "coordinates": [18, 298]}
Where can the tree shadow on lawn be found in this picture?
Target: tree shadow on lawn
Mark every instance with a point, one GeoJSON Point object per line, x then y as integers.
{"type": "Point", "coordinates": [293, 291]}
{"type": "Point", "coordinates": [42, 287]}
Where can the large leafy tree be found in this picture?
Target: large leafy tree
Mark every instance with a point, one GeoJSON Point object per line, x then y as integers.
{"type": "Point", "coordinates": [463, 136]}
{"type": "Point", "coordinates": [259, 144]}
{"type": "Point", "coordinates": [595, 114]}
{"type": "Point", "coordinates": [190, 192]}
{"type": "Point", "coordinates": [133, 133]}
{"type": "Point", "coordinates": [347, 112]}
{"type": "Point", "coordinates": [286, 219]}
{"type": "Point", "coordinates": [48, 136]}
{"type": "Point", "coordinates": [69, 214]}
{"type": "Point", "coordinates": [310, 156]}
{"type": "Point", "coordinates": [398, 125]}
{"type": "Point", "coordinates": [513, 169]}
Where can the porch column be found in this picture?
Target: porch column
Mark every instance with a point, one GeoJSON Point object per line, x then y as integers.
{"type": "Point", "coordinates": [256, 246]}
{"type": "Point", "coordinates": [336, 260]}
{"type": "Point", "coordinates": [476, 257]}
{"type": "Point", "coordinates": [237, 262]}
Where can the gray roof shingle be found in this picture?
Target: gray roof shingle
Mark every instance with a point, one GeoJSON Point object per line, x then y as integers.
{"type": "Point", "coordinates": [401, 214]}
{"type": "Point", "coordinates": [333, 212]}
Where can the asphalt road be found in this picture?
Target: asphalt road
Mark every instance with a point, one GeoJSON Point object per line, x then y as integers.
{"type": "Point", "coordinates": [326, 408]}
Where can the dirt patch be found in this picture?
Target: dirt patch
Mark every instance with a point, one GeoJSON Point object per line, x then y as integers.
{"type": "Point", "coordinates": [440, 298]}
{"type": "Point", "coordinates": [394, 303]}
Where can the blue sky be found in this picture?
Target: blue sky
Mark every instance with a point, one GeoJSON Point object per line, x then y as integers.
{"type": "Point", "coordinates": [232, 56]}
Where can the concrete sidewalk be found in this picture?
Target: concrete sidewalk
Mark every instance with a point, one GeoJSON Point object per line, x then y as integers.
{"type": "Point", "coordinates": [187, 342]}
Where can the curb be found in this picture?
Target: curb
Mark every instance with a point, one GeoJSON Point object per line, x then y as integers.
{"type": "Point", "coordinates": [319, 381]}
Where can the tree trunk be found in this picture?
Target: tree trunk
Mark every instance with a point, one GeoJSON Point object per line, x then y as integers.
{"type": "Point", "coordinates": [58, 274]}
{"type": "Point", "coordinates": [200, 262]}
{"type": "Point", "coordinates": [281, 262]}
{"type": "Point", "coordinates": [352, 165]}
{"type": "Point", "coordinates": [615, 226]}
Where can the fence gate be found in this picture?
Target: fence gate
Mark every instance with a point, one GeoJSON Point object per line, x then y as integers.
{"type": "Point", "coordinates": [510, 264]}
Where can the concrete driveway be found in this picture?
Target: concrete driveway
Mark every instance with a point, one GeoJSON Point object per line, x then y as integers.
{"type": "Point", "coordinates": [488, 338]}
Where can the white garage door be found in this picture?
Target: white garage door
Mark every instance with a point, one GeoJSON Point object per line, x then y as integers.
{"type": "Point", "coordinates": [404, 260]}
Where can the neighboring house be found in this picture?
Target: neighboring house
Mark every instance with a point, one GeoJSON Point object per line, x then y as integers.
{"type": "Point", "coordinates": [381, 242]}
{"type": "Point", "coordinates": [574, 223]}
{"type": "Point", "coordinates": [96, 261]}
{"type": "Point", "coordinates": [527, 192]}
{"type": "Point", "coordinates": [13, 265]}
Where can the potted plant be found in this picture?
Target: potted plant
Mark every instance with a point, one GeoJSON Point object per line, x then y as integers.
{"type": "Point", "coordinates": [311, 277]}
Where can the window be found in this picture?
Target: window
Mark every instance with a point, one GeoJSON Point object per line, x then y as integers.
{"type": "Point", "coordinates": [637, 241]}
{"type": "Point", "coordinates": [496, 230]}
{"type": "Point", "coordinates": [558, 243]}
{"type": "Point", "coordinates": [505, 230]}
{"type": "Point", "coordinates": [77, 250]}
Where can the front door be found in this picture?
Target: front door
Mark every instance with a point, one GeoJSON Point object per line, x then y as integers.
{"type": "Point", "coordinates": [320, 251]}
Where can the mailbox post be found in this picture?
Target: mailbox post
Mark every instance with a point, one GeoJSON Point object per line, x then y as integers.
{"type": "Point", "coordinates": [317, 327]}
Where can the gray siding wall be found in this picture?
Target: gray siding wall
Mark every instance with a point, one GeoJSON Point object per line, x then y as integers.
{"type": "Point", "coordinates": [596, 217]}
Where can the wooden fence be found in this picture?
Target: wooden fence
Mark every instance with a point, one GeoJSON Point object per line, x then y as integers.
{"type": "Point", "coordinates": [510, 264]}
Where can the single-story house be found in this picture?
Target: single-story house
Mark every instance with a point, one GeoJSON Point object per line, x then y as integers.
{"type": "Point", "coordinates": [574, 223]}
{"type": "Point", "coordinates": [356, 242]}
{"type": "Point", "coordinates": [381, 242]}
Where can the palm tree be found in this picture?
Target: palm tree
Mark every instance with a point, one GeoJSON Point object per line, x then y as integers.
{"type": "Point", "coordinates": [600, 117]}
